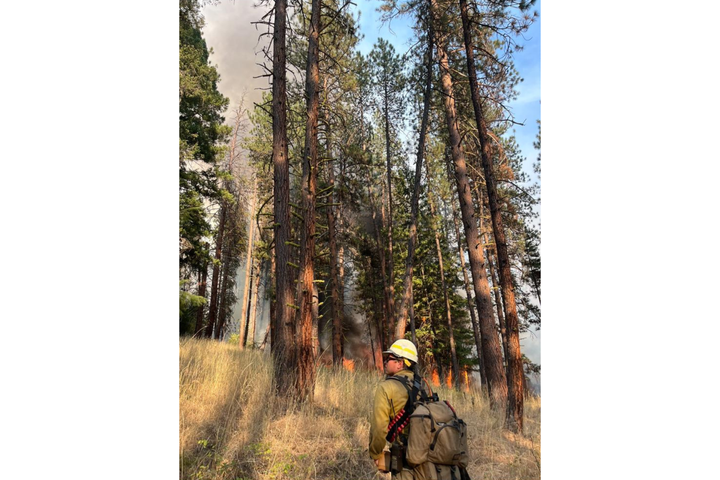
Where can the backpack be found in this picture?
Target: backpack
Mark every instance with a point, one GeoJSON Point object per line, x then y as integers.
{"type": "Point", "coordinates": [437, 439]}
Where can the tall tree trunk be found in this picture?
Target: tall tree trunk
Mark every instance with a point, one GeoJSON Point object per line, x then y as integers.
{"type": "Point", "coordinates": [336, 313]}
{"type": "Point", "coordinates": [315, 322]}
{"type": "Point", "coordinates": [273, 304]}
{"type": "Point", "coordinates": [202, 286]}
{"type": "Point", "coordinates": [390, 321]}
{"type": "Point", "coordinates": [428, 304]}
{"type": "Point", "coordinates": [306, 358]}
{"type": "Point", "coordinates": [378, 348]}
{"type": "Point", "coordinates": [411, 311]}
{"type": "Point", "coordinates": [222, 314]}
{"type": "Point", "coordinates": [499, 308]}
{"type": "Point", "coordinates": [482, 202]}
{"type": "Point", "coordinates": [341, 293]}
{"type": "Point", "coordinates": [212, 313]}
{"type": "Point", "coordinates": [341, 251]}
{"type": "Point", "coordinates": [497, 385]}
{"type": "Point", "coordinates": [514, 415]}
{"type": "Point", "coordinates": [248, 268]}
{"type": "Point", "coordinates": [373, 342]}
{"type": "Point", "coordinates": [391, 262]}
{"type": "Point", "coordinates": [468, 296]}
{"type": "Point", "coordinates": [381, 251]}
{"type": "Point", "coordinates": [412, 237]}
{"type": "Point", "coordinates": [448, 316]}
{"type": "Point", "coordinates": [283, 335]}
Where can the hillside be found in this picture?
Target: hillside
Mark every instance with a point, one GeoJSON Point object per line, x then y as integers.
{"type": "Point", "coordinates": [231, 427]}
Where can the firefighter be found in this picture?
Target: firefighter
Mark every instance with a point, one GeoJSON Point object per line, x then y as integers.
{"type": "Point", "coordinates": [399, 362]}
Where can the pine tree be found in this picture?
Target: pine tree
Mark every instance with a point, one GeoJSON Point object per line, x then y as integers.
{"type": "Point", "coordinates": [497, 385]}
{"type": "Point", "coordinates": [406, 300]}
{"type": "Point", "coordinates": [389, 83]}
{"type": "Point", "coordinates": [514, 417]}
{"type": "Point", "coordinates": [201, 136]}
{"type": "Point", "coordinates": [306, 358]}
{"type": "Point", "coordinates": [282, 342]}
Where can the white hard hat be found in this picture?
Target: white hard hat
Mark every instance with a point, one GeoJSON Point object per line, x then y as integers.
{"type": "Point", "coordinates": [405, 349]}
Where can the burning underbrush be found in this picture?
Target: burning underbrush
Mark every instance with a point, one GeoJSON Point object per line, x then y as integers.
{"type": "Point", "coordinates": [233, 427]}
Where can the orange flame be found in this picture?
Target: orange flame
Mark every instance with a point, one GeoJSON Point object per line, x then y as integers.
{"type": "Point", "coordinates": [449, 379]}
{"type": "Point", "coordinates": [466, 381]}
{"type": "Point", "coordinates": [435, 378]}
{"type": "Point", "coordinates": [349, 365]}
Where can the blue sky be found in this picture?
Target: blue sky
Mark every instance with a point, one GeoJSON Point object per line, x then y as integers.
{"type": "Point", "coordinates": [526, 107]}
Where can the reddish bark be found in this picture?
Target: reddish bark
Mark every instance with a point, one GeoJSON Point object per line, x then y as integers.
{"type": "Point", "coordinates": [497, 385]}
{"type": "Point", "coordinates": [514, 413]}
{"type": "Point", "coordinates": [305, 382]}
{"type": "Point", "coordinates": [283, 330]}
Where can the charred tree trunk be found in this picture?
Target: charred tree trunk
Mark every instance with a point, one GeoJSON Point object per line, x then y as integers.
{"type": "Point", "coordinates": [283, 336]}
{"type": "Point", "coordinates": [412, 239]}
{"type": "Point", "coordinates": [306, 357]}
{"type": "Point", "coordinates": [514, 415]}
{"type": "Point", "coordinates": [497, 385]}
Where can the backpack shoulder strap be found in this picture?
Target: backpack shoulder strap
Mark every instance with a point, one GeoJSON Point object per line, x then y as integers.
{"type": "Point", "coordinates": [403, 417]}
{"type": "Point", "coordinates": [404, 381]}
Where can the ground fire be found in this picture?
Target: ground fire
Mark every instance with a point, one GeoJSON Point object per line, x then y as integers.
{"type": "Point", "coordinates": [435, 378]}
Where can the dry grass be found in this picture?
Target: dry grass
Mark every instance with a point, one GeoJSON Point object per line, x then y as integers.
{"type": "Point", "coordinates": [232, 427]}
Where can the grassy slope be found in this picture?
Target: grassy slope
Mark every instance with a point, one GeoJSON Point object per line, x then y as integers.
{"type": "Point", "coordinates": [231, 428]}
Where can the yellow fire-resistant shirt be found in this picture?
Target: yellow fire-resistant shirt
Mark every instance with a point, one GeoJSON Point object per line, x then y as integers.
{"type": "Point", "coordinates": [390, 398]}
